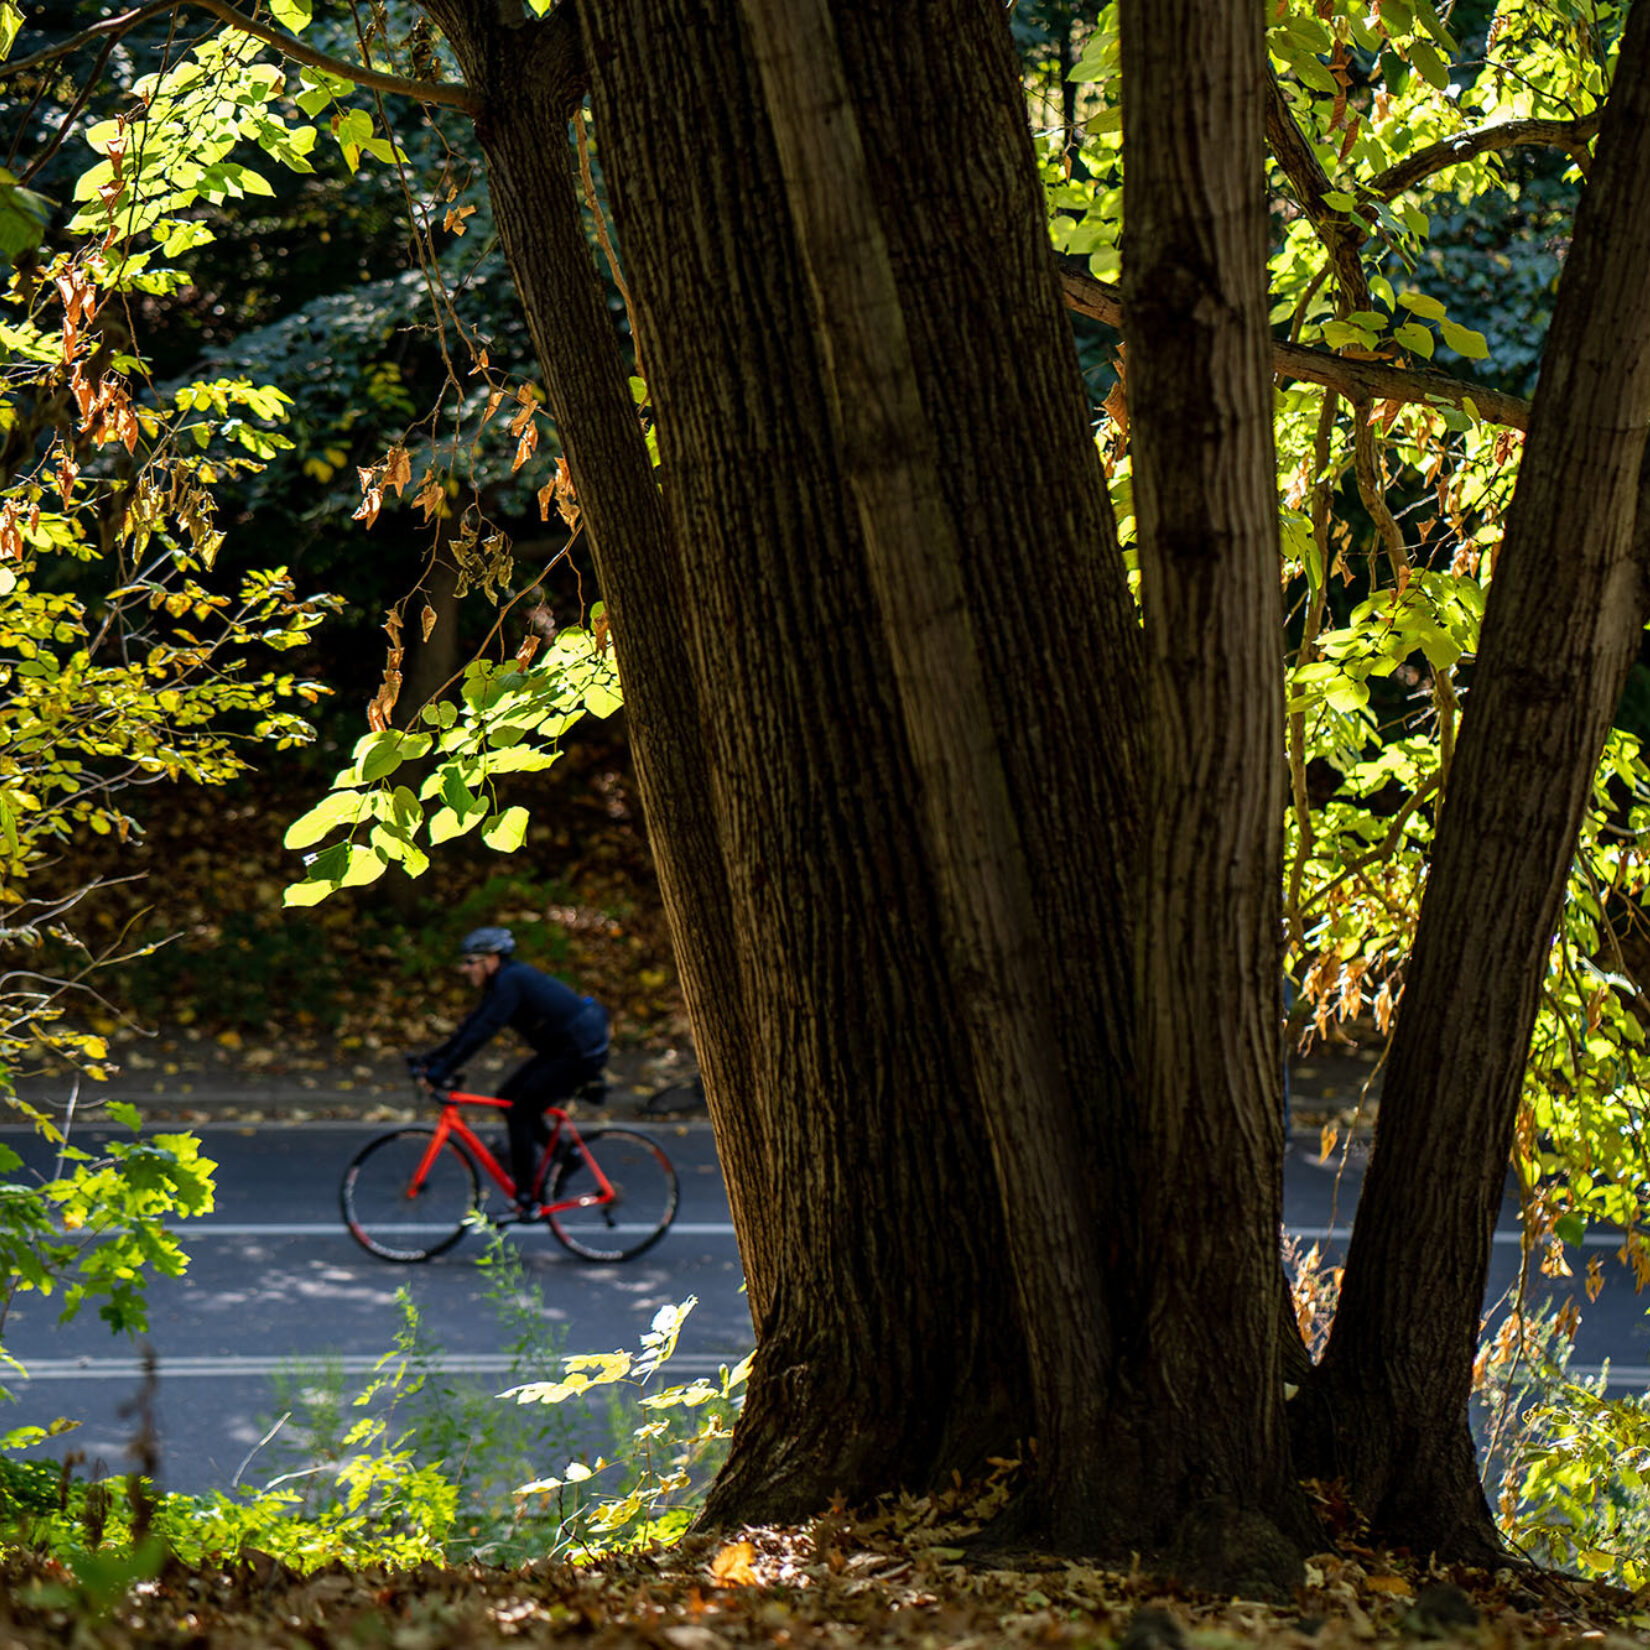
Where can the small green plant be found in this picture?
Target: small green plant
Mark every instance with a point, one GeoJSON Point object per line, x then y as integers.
{"type": "Point", "coordinates": [662, 1458]}
{"type": "Point", "coordinates": [444, 1423]}
{"type": "Point", "coordinates": [1577, 1490]}
{"type": "Point", "coordinates": [431, 1466]}
{"type": "Point", "coordinates": [97, 1228]}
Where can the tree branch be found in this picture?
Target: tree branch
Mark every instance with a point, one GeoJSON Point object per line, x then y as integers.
{"type": "Point", "coordinates": [1570, 135]}
{"type": "Point", "coordinates": [1341, 235]}
{"type": "Point", "coordinates": [1357, 380]}
{"type": "Point", "coordinates": [424, 91]}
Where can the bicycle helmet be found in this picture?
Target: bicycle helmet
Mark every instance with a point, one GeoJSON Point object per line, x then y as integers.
{"type": "Point", "coordinates": [488, 942]}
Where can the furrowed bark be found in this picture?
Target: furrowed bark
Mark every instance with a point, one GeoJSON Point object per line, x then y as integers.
{"type": "Point", "coordinates": [891, 1354]}
{"type": "Point", "coordinates": [1000, 385]}
{"type": "Point", "coordinates": [1207, 948]}
{"type": "Point", "coordinates": [532, 79]}
{"type": "Point", "coordinates": [890, 465]}
{"type": "Point", "coordinates": [1565, 614]}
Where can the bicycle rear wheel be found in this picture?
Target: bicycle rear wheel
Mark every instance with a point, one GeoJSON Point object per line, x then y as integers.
{"type": "Point", "coordinates": [643, 1202]}
{"type": "Point", "coordinates": [390, 1217]}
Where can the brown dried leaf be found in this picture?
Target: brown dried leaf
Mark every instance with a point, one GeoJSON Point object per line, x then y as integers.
{"type": "Point", "coordinates": [1116, 406]}
{"type": "Point", "coordinates": [431, 495]}
{"type": "Point", "coordinates": [378, 712]}
{"type": "Point", "coordinates": [426, 621]}
{"type": "Point", "coordinates": [1595, 1278]}
{"type": "Point", "coordinates": [525, 447]}
{"type": "Point", "coordinates": [397, 469]}
{"type": "Point", "coordinates": [1394, 1585]}
{"type": "Point", "coordinates": [731, 1567]}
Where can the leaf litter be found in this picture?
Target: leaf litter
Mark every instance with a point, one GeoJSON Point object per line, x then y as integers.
{"type": "Point", "coordinates": [908, 1573]}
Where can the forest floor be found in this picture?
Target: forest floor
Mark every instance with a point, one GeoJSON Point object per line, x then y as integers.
{"type": "Point", "coordinates": [897, 1577]}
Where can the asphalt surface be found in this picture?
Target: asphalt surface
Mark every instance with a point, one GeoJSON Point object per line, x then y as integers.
{"type": "Point", "coordinates": [276, 1283]}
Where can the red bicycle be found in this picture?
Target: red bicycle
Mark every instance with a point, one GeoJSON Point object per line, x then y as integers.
{"type": "Point", "coordinates": [607, 1193]}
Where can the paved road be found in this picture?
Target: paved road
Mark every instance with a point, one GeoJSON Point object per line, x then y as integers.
{"type": "Point", "coordinates": [274, 1280]}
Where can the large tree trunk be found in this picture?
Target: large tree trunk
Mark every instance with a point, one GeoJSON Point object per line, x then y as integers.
{"type": "Point", "coordinates": [972, 841]}
{"type": "Point", "coordinates": [1200, 419]}
{"type": "Point", "coordinates": [1566, 611]}
{"type": "Point", "coordinates": [889, 1353]}
{"type": "Point", "coordinates": [532, 75]}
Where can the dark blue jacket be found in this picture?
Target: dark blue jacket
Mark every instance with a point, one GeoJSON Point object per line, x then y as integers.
{"type": "Point", "coordinates": [551, 1017]}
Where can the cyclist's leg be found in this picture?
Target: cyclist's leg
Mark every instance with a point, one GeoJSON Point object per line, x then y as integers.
{"type": "Point", "coordinates": [531, 1089]}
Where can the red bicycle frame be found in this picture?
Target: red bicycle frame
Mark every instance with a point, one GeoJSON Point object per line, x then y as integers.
{"type": "Point", "coordinates": [453, 1123]}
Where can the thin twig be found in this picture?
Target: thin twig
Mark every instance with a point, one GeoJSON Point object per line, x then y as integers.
{"type": "Point", "coordinates": [1355, 379]}
{"type": "Point", "coordinates": [66, 125]}
{"type": "Point", "coordinates": [602, 238]}
{"type": "Point", "coordinates": [424, 91]}
{"type": "Point", "coordinates": [258, 1446]}
{"type": "Point", "coordinates": [1372, 490]}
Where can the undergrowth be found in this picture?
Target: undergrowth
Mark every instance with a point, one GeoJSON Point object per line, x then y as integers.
{"type": "Point", "coordinates": [419, 1465]}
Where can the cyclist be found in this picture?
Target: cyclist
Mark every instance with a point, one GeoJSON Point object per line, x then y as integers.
{"type": "Point", "coordinates": [567, 1033]}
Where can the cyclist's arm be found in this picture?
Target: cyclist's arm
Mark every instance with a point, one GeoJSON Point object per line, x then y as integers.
{"type": "Point", "coordinates": [479, 1028]}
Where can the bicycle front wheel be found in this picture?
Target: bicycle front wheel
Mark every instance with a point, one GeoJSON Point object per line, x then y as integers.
{"type": "Point", "coordinates": [641, 1208]}
{"type": "Point", "coordinates": [390, 1216]}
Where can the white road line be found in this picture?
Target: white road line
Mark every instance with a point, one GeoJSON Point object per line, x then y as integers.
{"type": "Point", "coordinates": [230, 1367]}
{"type": "Point", "coordinates": [335, 1228]}
{"type": "Point", "coordinates": [1503, 1235]}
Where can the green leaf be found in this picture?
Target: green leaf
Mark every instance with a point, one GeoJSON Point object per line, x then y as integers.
{"type": "Point", "coordinates": [1347, 695]}
{"type": "Point", "coordinates": [23, 214]}
{"type": "Point", "coordinates": [1341, 333]}
{"type": "Point", "coordinates": [600, 700]}
{"type": "Point", "coordinates": [1422, 304]}
{"type": "Point", "coordinates": [124, 1112]}
{"type": "Point", "coordinates": [311, 891]}
{"type": "Point", "coordinates": [1433, 68]}
{"type": "Point", "coordinates": [1432, 23]}
{"type": "Point", "coordinates": [365, 865]}
{"type": "Point", "coordinates": [446, 823]}
{"type": "Point", "coordinates": [384, 756]}
{"type": "Point", "coordinates": [293, 14]}
{"type": "Point", "coordinates": [1464, 341]}
{"type": "Point", "coordinates": [1339, 200]}
{"type": "Point", "coordinates": [505, 832]}
{"type": "Point", "coordinates": [340, 808]}
{"type": "Point", "coordinates": [1571, 1228]}
{"type": "Point", "coordinates": [11, 20]}
{"type": "Point", "coordinates": [1412, 335]}
{"type": "Point", "coordinates": [455, 793]}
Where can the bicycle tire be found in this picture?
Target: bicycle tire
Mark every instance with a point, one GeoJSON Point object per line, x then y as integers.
{"type": "Point", "coordinates": [647, 1193]}
{"type": "Point", "coordinates": [378, 1211]}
